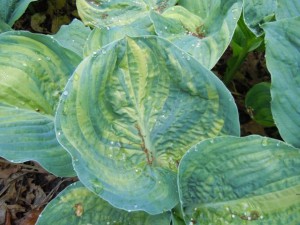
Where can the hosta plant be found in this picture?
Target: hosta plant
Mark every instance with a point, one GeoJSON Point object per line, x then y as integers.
{"type": "Point", "coordinates": [130, 106]}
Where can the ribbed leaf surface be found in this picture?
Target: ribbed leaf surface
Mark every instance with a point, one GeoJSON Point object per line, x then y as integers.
{"type": "Point", "coordinates": [282, 55]}
{"type": "Point", "coordinates": [33, 72]}
{"type": "Point", "coordinates": [118, 12]}
{"type": "Point", "coordinates": [77, 205]}
{"type": "Point", "coordinates": [131, 111]}
{"type": "Point", "coordinates": [249, 180]}
{"type": "Point", "coordinates": [287, 9]}
{"type": "Point", "coordinates": [203, 32]}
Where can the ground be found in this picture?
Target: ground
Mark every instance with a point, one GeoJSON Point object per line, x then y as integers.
{"type": "Point", "coordinates": [26, 188]}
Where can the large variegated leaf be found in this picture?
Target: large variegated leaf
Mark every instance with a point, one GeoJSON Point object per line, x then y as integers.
{"type": "Point", "coordinates": [77, 205]}
{"type": "Point", "coordinates": [287, 9]}
{"type": "Point", "coordinates": [282, 55]}
{"type": "Point", "coordinates": [118, 12]}
{"type": "Point", "coordinates": [257, 12]}
{"type": "Point", "coordinates": [33, 72]}
{"type": "Point", "coordinates": [11, 10]}
{"type": "Point", "coordinates": [250, 180]}
{"type": "Point", "coordinates": [205, 34]}
{"type": "Point", "coordinates": [103, 36]}
{"type": "Point", "coordinates": [73, 36]}
{"type": "Point", "coordinates": [129, 114]}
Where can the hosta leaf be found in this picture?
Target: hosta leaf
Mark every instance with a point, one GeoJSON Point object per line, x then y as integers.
{"type": "Point", "coordinates": [77, 205]}
{"type": "Point", "coordinates": [287, 9]}
{"type": "Point", "coordinates": [205, 38]}
{"type": "Point", "coordinates": [257, 12]}
{"type": "Point", "coordinates": [232, 180]}
{"type": "Point", "coordinates": [11, 10]}
{"type": "Point", "coordinates": [100, 37]}
{"type": "Point", "coordinates": [33, 71]}
{"type": "Point", "coordinates": [258, 104]}
{"type": "Point", "coordinates": [78, 34]}
{"type": "Point", "coordinates": [282, 55]}
{"type": "Point", "coordinates": [129, 114]}
{"type": "Point", "coordinates": [118, 12]}
{"type": "Point", "coordinates": [4, 27]}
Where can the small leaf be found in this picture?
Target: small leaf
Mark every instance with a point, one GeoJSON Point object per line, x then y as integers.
{"type": "Point", "coordinates": [77, 205]}
{"type": "Point", "coordinates": [73, 36]}
{"type": "Point", "coordinates": [233, 180]}
{"type": "Point", "coordinates": [258, 104]}
{"type": "Point", "coordinates": [131, 111]}
{"type": "Point", "coordinates": [33, 72]}
{"type": "Point", "coordinates": [282, 56]}
{"type": "Point", "coordinates": [11, 10]}
{"type": "Point", "coordinates": [205, 38]}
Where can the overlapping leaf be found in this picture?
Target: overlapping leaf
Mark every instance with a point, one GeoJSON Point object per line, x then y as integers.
{"type": "Point", "coordinates": [100, 37]}
{"type": "Point", "coordinates": [231, 180]}
{"type": "Point", "coordinates": [77, 205]}
{"type": "Point", "coordinates": [283, 63]}
{"type": "Point", "coordinates": [73, 36]}
{"type": "Point", "coordinates": [119, 12]}
{"type": "Point", "coordinates": [11, 10]}
{"type": "Point", "coordinates": [129, 114]}
{"type": "Point", "coordinates": [205, 33]}
{"type": "Point", "coordinates": [33, 71]}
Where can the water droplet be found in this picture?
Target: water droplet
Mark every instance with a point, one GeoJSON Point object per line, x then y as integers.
{"type": "Point", "coordinates": [135, 206]}
{"type": "Point", "coordinates": [24, 64]}
{"type": "Point", "coordinates": [65, 93]}
{"type": "Point", "coordinates": [48, 58]}
{"type": "Point", "coordinates": [232, 216]}
{"type": "Point", "coordinates": [166, 28]}
{"type": "Point", "coordinates": [264, 141]}
{"type": "Point", "coordinates": [98, 187]}
{"type": "Point", "coordinates": [249, 218]}
{"type": "Point", "coordinates": [261, 217]}
{"type": "Point", "coordinates": [212, 141]}
{"type": "Point", "coordinates": [278, 144]}
{"type": "Point", "coordinates": [107, 28]}
{"type": "Point", "coordinates": [39, 59]}
{"type": "Point", "coordinates": [58, 133]}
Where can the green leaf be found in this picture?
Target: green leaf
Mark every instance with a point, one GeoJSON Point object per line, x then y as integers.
{"type": "Point", "coordinates": [11, 10]}
{"type": "Point", "coordinates": [257, 12]}
{"type": "Point", "coordinates": [282, 56]}
{"type": "Point", "coordinates": [118, 12]}
{"type": "Point", "coordinates": [248, 180]}
{"type": "Point", "coordinates": [77, 205]}
{"type": "Point", "coordinates": [4, 27]}
{"type": "Point", "coordinates": [131, 111]}
{"type": "Point", "coordinates": [287, 9]}
{"type": "Point", "coordinates": [258, 104]}
{"type": "Point", "coordinates": [206, 39]}
{"type": "Point", "coordinates": [78, 34]}
{"type": "Point", "coordinates": [101, 37]}
{"type": "Point", "coordinates": [34, 70]}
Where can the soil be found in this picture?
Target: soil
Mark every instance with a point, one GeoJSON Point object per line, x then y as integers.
{"type": "Point", "coordinates": [26, 188]}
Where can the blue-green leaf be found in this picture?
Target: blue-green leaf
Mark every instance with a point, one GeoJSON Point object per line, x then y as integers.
{"type": "Point", "coordinates": [33, 71]}
{"type": "Point", "coordinates": [77, 205]}
{"type": "Point", "coordinates": [129, 114]}
{"type": "Point", "coordinates": [11, 10]}
{"type": "Point", "coordinates": [282, 55]}
{"type": "Point", "coordinates": [249, 180]}
{"type": "Point", "coordinates": [287, 9]}
{"type": "Point", "coordinates": [4, 27]}
{"type": "Point", "coordinates": [257, 12]}
{"type": "Point", "coordinates": [118, 12]}
{"type": "Point", "coordinates": [100, 37]}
